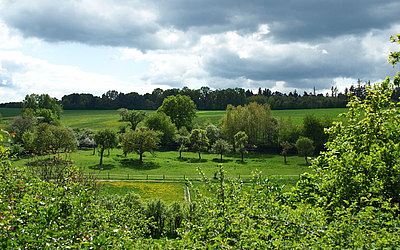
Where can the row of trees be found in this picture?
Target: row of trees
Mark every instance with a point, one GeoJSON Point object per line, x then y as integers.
{"type": "Point", "coordinates": [204, 98]}
{"type": "Point", "coordinates": [243, 128]}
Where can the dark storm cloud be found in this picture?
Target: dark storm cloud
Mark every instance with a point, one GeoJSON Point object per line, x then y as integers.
{"type": "Point", "coordinates": [120, 23]}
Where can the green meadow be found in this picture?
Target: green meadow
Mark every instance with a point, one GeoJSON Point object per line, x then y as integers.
{"type": "Point", "coordinates": [97, 119]}
{"type": "Point", "coordinates": [163, 175]}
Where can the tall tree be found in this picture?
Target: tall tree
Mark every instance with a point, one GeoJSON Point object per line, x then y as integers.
{"type": "Point", "coordinates": [161, 122]}
{"type": "Point", "coordinates": [105, 139]}
{"type": "Point", "coordinates": [255, 120]}
{"type": "Point", "coordinates": [43, 107]}
{"type": "Point", "coordinates": [241, 141]}
{"type": "Point", "coordinates": [140, 141]}
{"type": "Point", "coordinates": [181, 109]}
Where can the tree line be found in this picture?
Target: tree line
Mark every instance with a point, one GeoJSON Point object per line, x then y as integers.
{"type": "Point", "coordinates": [208, 99]}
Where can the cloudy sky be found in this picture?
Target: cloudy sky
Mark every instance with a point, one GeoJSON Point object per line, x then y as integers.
{"type": "Point", "coordinates": [90, 46]}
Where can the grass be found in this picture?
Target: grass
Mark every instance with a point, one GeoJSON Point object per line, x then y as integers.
{"type": "Point", "coordinates": [97, 119]}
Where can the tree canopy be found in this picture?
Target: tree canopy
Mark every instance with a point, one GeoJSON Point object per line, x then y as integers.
{"type": "Point", "coordinates": [140, 141]}
{"type": "Point", "coordinates": [180, 108]}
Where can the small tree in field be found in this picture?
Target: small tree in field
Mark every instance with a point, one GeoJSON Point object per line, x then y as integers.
{"type": "Point", "coordinates": [134, 117]}
{"type": "Point", "coordinates": [286, 146]}
{"type": "Point", "coordinates": [140, 141]}
{"type": "Point", "coordinates": [105, 139]}
{"type": "Point", "coordinates": [305, 147]}
{"type": "Point", "coordinates": [221, 147]}
{"type": "Point", "coordinates": [241, 141]}
{"type": "Point", "coordinates": [199, 141]}
{"type": "Point", "coordinates": [183, 142]}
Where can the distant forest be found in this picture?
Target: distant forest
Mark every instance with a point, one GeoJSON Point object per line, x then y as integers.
{"type": "Point", "coordinates": [207, 99]}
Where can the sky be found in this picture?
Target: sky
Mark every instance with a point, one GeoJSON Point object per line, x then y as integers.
{"type": "Point", "coordinates": [61, 47]}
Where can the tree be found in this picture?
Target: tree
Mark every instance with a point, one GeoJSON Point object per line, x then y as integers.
{"type": "Point", "coordinates": [161, 122]}
{"type": "Point", "coordinates": [183, 142]}
{"type": "Point", "coordinates": [361, 165]}
{"type": "Point", "coordinates": [213, 133]}
{"type": "Point", "coordinates": [199, 141]}
{"type": "Point", "coordinates": [286, 146]}
{"type": "Point", "coordinates": [180, 108]}
{"type": "Point", "coordinates": [255, 120]}
{"type": "Point", "coordinates": [313, 128]}
{"type": "Point", "coordinates": [140, 141]}
{"type": "Point", "coordinates": [305, 147]}
{"type": "Point", "coordinates": [49, 138]}
{"type": "Point", "coordinates": [43, 107]}
{"type": "Point", "coordinates": [19, 126]}
{"type": "Point", "coordinates": [105, 139]}
{"type": "Point", "coordinates": [241, 141]}
{"type": "Point", "coordinates": [134, 117]}
{"type": "Point", "coordinates": [221, 147]}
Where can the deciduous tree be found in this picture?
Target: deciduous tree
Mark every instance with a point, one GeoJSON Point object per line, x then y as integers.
{"type": "Point", "coordinates": [180, 108]}
{"type": "Point", "coordinates": [221, 147]}
{"type": "Point", "coordinates": [140, 141]}
{"type": "Point", "coordinates": [105, 139]}
{"type": "Point", "coordinates": [305, 147]}
{"type": "Point", "coordinates": [199, 141]}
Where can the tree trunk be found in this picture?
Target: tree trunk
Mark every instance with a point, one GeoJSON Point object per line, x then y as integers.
{"type": "Point", "coordinates": [94, 150]}
{"type": "Point", "coordinates": [180, 154]}
{"type": "Point", "coordinates": [284, 156]}
{"type": "Point", "coordinates": [242, 157]}
{"type": "Point", "coordinates": [305, 157]}
{"type": "Point", "coordinates": [199, 156]}
{"type": "Point", "coordinates": [101, 156]}
{"type": "Point", "coordinates": [221, 156]}
{"type": "Point", "coordinates": [141, 157]}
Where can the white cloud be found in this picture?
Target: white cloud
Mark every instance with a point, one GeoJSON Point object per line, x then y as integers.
{"type": "Point", "coordinates": [26, 75]}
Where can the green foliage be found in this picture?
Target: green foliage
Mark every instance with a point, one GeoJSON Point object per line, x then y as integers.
{"type": "Point", "coordinates": [221, 147]}
{"type": "Point", "coordinates": [313, 128]}
{"type": "Point", "coordinates": [361, 164]}
{"type": "Point", "coordinates": [199, 141]}
{"type": "Point", "coordinates": [394, 56]}
{"type": "Point", "coordinates": [49, 139]}
{"type": "Point", "coordinates": [140, 141]}
{"type": "Point", "coordinates": [180, 108]}
{"type": "Point", "coordinates": [288, 131]}
{"type": "Point", "coordinates": [255, 120]}
{"type": "Point", "coordinates": [19, 126]}
{"type": "Point", "coordinates": [161, 122]}
{"type": "Point", "coordinates": [60, 213]}
{"type": "Point", "coordinates": [105, 139]}
{"type": "Point", "coordinates": [305, 147]}
{"type": "Point", "coordinates": [213, 133]}
{"type": "Point", "coordinates": [43, 107]}
{"type": "Point", "coordinates": [286, 146]}
{"type": "Point", "coordinates": [183, 143]}
{"type": "Point", "coordinates": [241, 141]}
{"type": "Point", "coordinates": [132, 116]}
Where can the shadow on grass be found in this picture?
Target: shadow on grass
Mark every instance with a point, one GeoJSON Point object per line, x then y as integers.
{"type": "Point", "coordinates": [190, 160]}
{"type": "Point", "coordinates": [137, 165]}
{"type": "Point", "coordinates": [102, 167]}
{"type": "Point", "coordinates": [218, 160]}
{"type": "Point", "coordinates": [241, 162]}
{"type": "Point", "coordinates": [303, 164]}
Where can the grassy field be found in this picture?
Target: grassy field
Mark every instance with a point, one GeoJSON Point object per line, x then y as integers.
{"type": "Point", "coordinates": [96, 119]}
{"type": "Point", "coordinates": [164, 173]}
